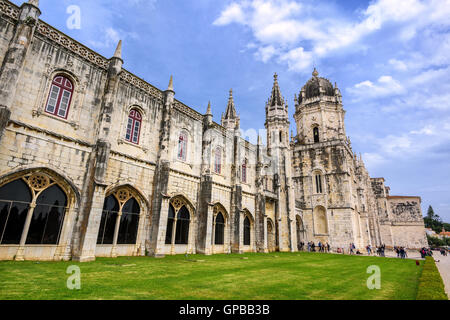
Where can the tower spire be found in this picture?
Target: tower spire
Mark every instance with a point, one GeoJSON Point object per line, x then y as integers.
{"type": "Point", "coordinates": [276, 99]}
{"type": "Point", "coordinates": [208, 110]}
{"type": "Point", "coordinates": [230, 113]}
{"type": "Point", "coordinates": [170, 87]}
{"type": "Point", "coordinates": [230, 119]}
{"type": "Point", "coordinates": [118, 52]}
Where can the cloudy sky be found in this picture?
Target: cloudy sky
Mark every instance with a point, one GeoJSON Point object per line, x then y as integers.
{"type": "Point", "coordinates": [390, 58]}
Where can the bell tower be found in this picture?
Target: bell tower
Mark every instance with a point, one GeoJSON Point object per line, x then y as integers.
{"type": "Point", "coordinates": [277, 120]}
{"type": "Point", "coordinates": [319, 113]}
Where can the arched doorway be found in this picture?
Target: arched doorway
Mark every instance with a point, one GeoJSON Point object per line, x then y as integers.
{"type": "Point", "coordinates": [271, 239]}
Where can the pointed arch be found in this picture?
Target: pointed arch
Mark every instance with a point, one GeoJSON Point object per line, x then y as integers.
{"type": "Point", "coordinates": [248, 226]}
{"type": "Point", "coordinates": [180, 221]}
{"type": "Point", "coordinates": [220, 224]}
{"type": "Point", "coordinates": [39, 210]}
{"type": "Point", "coordinates": [123, 209]}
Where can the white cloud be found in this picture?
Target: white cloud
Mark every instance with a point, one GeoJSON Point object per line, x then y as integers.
{"type": "Point", "coordinates": [297, 59]}
{"type": "Point", "coordinates": [265, 53]}
{"type": "Point", "coordinates": [233, 13]}
{"type": "Point", "coordinates": [286, 25]}
{"type": "Point", "coordinates": [385, 86]}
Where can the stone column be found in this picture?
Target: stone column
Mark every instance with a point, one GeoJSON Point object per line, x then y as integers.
{"type": "Point", "coordinates": [23, 239]}
{"type": "Point", "coordinates": [116, 235]}
{"type": "Point", "coordinates": [213, 237]}
{"type": "Point", "coordinates": [266, 245]}
{"type": "Point", "coordinates": [210, 230]}
{"type": "Point", "coordinates": [90, 229]}
{"type": "Point", "coordinates": [174, 232]}
{"type": "Point", "coordinates": [158, 235]}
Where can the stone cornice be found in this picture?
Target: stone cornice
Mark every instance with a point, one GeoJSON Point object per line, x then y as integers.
{"type": "Point", "coordinates": [51, 133]}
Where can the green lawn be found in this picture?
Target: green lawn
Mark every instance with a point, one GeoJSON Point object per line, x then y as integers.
{"type": "Point", "coordinates": [262, 276]}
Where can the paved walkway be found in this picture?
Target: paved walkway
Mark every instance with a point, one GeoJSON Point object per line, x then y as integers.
{"type": "Point", "coordinates": [444, 269]}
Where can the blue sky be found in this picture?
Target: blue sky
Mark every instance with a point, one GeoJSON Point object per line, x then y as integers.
{"type": "Point", "coordinates": [391, 60]}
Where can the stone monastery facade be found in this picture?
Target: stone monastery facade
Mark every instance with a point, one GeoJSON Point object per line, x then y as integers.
{"type": "Point", "coordinates": [96, 162]}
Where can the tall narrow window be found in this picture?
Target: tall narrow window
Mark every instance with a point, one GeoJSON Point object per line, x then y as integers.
{"type": "Point", "coordinates": [60, 96]}
{"type": "Point", "coordinates": [133, 127]}
{"type": "Point", "coordinates": [247, 227]}
{"type": "Point", "coordinates": [182, 230]}
{"type": "Point", "coordinates": [318, 183]}
{"type": "Point", "coordinates": [244, 171]}
{"type": "Point", "coordinates": [316, 135]}
{"type": "Point", "coordinates": [111, 209]}
{"type": "Point", "coordinates": [219, 229]}
{"type": "Point", "coordinates": [218, 161]}
{"type": "Point", "coordinates": [170, 222]}
{"type": "Point", "coordinates": [182, 146]}
{"type": "Point", "coordinates": [129, 222]}
{"type": "Point", "coordinates": [281, 136]}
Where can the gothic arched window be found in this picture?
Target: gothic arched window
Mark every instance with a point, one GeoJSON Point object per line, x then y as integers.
{"type": "Point", "coordinates": [46, 218]}
{"type": "Point", "coordinates": [60, 96]}
{"type": "Point", "coordinates": [182, 146]}
{"type": "Point", "coordinates": [218, 160]}
{"type": "Point", "coordinates": [133, 126]}
{"type": "Point", "coordinates": [316, 135]}
{"type": "Point", "coordinates": [247, 227]}
{"type": "Point", "coordinates": [182, 231]}
{"type": "Point", "coordinates": [120, 203]}
{"type": "Point", "coordinates": [219, 229]}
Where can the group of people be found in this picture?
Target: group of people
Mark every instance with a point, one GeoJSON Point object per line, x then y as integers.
{"type": "Point", "coordinates": [426, 252]}
{"type": "Point", "coordinates": [352, 249]}
{"type": "Point", "coordinates": [381, 250]}
{"type": "Point", "coordinates": [401, 252]}
{"type": "Point", "coordinates": [311, 246]}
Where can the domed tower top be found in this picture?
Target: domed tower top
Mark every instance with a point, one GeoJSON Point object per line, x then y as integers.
{"type": "Point", "coordinates": [319, 113]}
{"type": "Point", "coordinates": [316, 87]}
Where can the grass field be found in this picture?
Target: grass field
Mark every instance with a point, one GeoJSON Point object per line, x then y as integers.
{"type": "Point", "coordinates": [272, 276]}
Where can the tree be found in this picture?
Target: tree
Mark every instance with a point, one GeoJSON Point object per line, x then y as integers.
{"type": "Point", "coordinates": [430, 212]}
{"type": "Point", "coordinates": [433, 220]}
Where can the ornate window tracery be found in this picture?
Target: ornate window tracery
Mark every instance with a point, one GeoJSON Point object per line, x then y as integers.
{"type": "Point", "coordinates": [38, 197]}
{"type": "Point", "coordinates": [121, 212]}
{"type": "Point", "coordinates": [178, 222]}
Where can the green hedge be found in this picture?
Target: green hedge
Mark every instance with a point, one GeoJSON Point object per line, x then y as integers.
{"type": "Point", "coordinates": [431, 286]}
